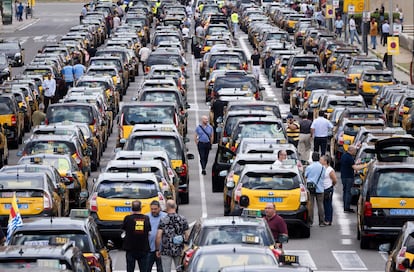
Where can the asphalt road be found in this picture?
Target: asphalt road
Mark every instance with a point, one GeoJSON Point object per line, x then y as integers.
{"type": "Point", "coordinates": [333, 248]}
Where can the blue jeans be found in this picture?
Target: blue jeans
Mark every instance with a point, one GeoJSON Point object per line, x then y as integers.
{"type": "Point", "coordinates": [347, 184]}
{"type": "Point", "coordinates": [133, 256]}
{"type": "Point", "coordinates": [327, 203]}
{"type": "Point", "coordinates": [354, 34]}
{"type": "Point", "coordinates": [374, 42]}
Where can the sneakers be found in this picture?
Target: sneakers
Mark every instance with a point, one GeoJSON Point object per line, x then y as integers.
{"type": "Point", "coordinates": [323, 224]}
{"type": "Point", "coordinates": [349, 210]}
{"type": "Point", "coordinates": [203, 172]}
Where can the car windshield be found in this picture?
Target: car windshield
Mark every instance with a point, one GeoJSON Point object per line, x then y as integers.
{"type": "Point", "coordinates": [134, 169]}
{"type": "Point", "coordinates": [148, 115]}
{"type": "Point", "coordinates": [155, 143]}
{"type": "Point", "coordinates": [128, 189]}
{"type": "Point", "coordinates": [5, 106]}
{"type": "Point", "coordinates": [270, 181]}
{"type": "Point", "coordinates": [212, 262]}
{"type": "Point", "coordinates": [51, 237]}
{"type": "Point", "coordinates": [160, 97]}
{"type": "Point", "coordinates": [232, 234]}
{"type": "Point", "coordinates": [322, 82]}
{"type": "Point", "coordinates": [69, 113]}
{"type": "Point", "coordinates": [243, 82]}
{"type": "Point", "coordinates": [395, 183]}
{"type": "Point", "coordinates": [259, 130]}
{"type": "Point", "coordinates": [38, 147]}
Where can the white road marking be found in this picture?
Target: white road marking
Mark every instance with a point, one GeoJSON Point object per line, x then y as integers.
{"type": "Point", "coordinates": [342, 218]}
{"type": "Point", "coordinates": [349, 260]}
{"type": "Point", "coordinates": [200, 176]}
{"type": "Point", "coordinates": [29, 25]}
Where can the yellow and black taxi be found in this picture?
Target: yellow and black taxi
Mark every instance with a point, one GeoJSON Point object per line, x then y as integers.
{"type": "Point", "coordinates": [353, 75]}
{"type": "Point", "coordinates": [232, 175]}
{"type": "Point", "coordinates": [282, 185]}
{"type": "Point", "coordinates": [104, 82]}
{"type": "Point", "coordinates": [109, 70]}
{"type": "Point", "coordinates": [386, 201]}
{"type": "Point", "coordinates": [207, 232]}
{"type": "Point", "coordinates": [322, 81]}
{"type": "Point", "coordinates": [371, 81]}
{"type": "Point", "coordinates": [59, 144]}
{"type": "Point", "coordinates": [73, 178]}
{"type": "Point", "coordinates": [80, 229]}
{"type": "Point", "coordinates": [345, 132]}
{"type": "Point", "coordinates": [313, 102]}
{"type": "Point", "coordinates": [173, 143]}
{"type": "Point", "coordinates": [5, 68]}
{"type": "Point", "coordinates": [112, 195]}
{"type": "Point", "coordinates": [404, 106]}
{"type": "Point", "coordinates": [330, 101]}
{"type": "Point", "coordinates": [35, 193]}
{"type": "Point", "coordinates": [58, 181]}
{"type": "Point", "coordinates": [401, 254]}
{"type": "Point", "coordinates": [4, 150]}
{"type": "Point", "coordinates": [83, 133]}
{"type": "Point", "coordinates": [55, 257]}
{"type": "Point", "coordinates": [169, 187]}
{"type": "Point", "coordinates": [78, 113]}
{"type": "Point", "coordinates": [362, 60]}
{"type": "Point", "coordinates": [11, 118]}
{"type": "Point", "coordinates": [294, 75]}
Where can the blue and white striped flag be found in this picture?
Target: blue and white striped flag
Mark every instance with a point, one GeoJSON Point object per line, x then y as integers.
{"type": "Point", "coordinates": [15, 219]}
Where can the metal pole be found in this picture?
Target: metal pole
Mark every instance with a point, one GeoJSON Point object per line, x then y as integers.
{"type": "Point", "coordinates": [390, 20]}
{"type": "Point", "coordinates": [365, 29]}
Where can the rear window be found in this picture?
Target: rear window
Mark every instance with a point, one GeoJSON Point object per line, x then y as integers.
{"type": "Point", "coordinates": [160, 59]}
{"type": "Point", "coordinates": [133, 189]}
{"type": "Point", "coordinates": [5, 106]}
{"type": "Point", "coordinates": [38, 147]}
{"type": "Point", "coordinates": [322, 82]}
{"type": "Point", "coordinates": [260, 130]}
{"type": "Point", "coordinates": [264, 181]}
{"type": "Point", "coordinates": [35, 181]}
{"type": "Point", "coordinates": [377, 78]}
{"type": "Point", "coordinates": [45, 238]}
{"type": "Point", "coordinates": [395, 183]}
{"type": "Point", "coordinates": [155, 143]}
{"type": "Point", "coordinates": [160, 97]}
{"type": "Point", "coordinates": [148, 115]}
{"type": "Point", "coordinates": [61, 164]}
{"type": "Point", "coordinates": [68, 113]}
{"type": "Point", "coordinates": [233, 235]}
{"type": "Point", "coordinates": [92, 84]}
{"type": "Point", "coordinates": [234, 82]}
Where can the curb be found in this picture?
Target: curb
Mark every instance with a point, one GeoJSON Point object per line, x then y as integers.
{"type": "Point", "coordinates": [399, 67]}
{"type": "Point", "coordinates": [17, 27]}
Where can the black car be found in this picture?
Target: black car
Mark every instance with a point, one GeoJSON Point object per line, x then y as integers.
{"type": "Point", "coordinates": [5, 69]}
{"type": "Point", "coordinates": [13, 51]}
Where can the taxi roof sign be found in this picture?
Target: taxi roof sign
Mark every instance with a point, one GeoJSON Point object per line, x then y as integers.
{"type": "Point", "coordinates": [252, 213]}
{"type": "Point", "coordinates": [79, 213]}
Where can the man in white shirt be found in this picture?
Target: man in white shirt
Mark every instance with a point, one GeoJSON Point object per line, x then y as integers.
{"type": "Point", "coordinates": [385, 32]}
{"type": "Point", "coordinates": [320, 130]}
{"type": "Point", "coordinates": [353, 31]}
{"type": "Point", "coordinates": [186, 35]}
{"type": "Point", "coordinates": [116, 21]}
{"type": "Point", "coordinates": [143, 54]}
{"type": "Point", "coordinates": [49, 89]}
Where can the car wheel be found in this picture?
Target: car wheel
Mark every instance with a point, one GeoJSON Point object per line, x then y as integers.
{"type": "Point", "coordinates": [226, 210]}
{"type": "Point", "coordinates": [20, 141]}
{"type": "Point", "coordinates": [305, 232]}
{"type": "Point", "coordinates": [278, 83]}
{"type": "Point", "coordinates": [364, 243]}
{"type": "Point", "coordinates": [184, 198]}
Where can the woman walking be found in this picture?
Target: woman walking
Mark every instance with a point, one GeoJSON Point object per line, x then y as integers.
{"type": "Point", "coordinates": [329, 181]}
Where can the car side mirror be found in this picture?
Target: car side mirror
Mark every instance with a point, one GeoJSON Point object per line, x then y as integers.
{"type": "Point", "coordinates": [223, 173]}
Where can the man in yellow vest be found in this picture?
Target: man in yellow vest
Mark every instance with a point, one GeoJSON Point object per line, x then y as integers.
{"type": "Point", "coordinates": [292, 130]}
{"type": "Point", "coordinates": [235, 21]}
{"type": "Point", "coordinates": [157, 8]}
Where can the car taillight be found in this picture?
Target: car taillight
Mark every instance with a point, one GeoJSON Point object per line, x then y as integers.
{"type": "Point", "coordinates": [305, 95]}
{"type": "Point", "coordinates": [367, 208]}
{"type": "Point", "coordinates": [187, 256]}
{"type": "Point", "coordinates": [341, 139]}
{"type": "Point", "coordinates": [13, 120]}
{"type": "Point", "coordinates": [93, 207]}
{"type": "Point", "coordinates": [303, 194]}
{"type": "Point", "coordinates": [184, 170]}
{"type": "Point", "coordinates": [93, 260]}
{"type": "Point", "coordinates": [401, 110]}
{"type": "Point", "coordinates": [245, 67]}
{"type": "Point", "coordinates": [400, 259]}
{"type": "Point", "coordinates": [277, 252]}
{"type": "Point", "coordinates": [77, 159]}
{"type": "Point", "coordinates": [349, 79]}
{"type": "Point", "coordinates": [47, 201]}
{"type": "Point", "coordinates": [230, 176]}
{"type": "Point", "coordinates": [147, 69]}
{"type": "Point", "coordinates": [392, 108]}
{"type": "Point", "coordinates": [161, 199]}
{"type": "Point", "coordinates": [238, 192]}
{"type": "Point", "coordinates": [46, 121]}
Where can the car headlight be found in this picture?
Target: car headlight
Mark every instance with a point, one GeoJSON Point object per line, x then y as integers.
{"type": "Point", "coordinates": [6, 70]}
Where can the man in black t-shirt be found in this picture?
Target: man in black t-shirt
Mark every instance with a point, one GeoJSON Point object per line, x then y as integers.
{"type": "Point", "coordinates": [136, 243]}
{"type": "Point", "coordinates": [255, 60]}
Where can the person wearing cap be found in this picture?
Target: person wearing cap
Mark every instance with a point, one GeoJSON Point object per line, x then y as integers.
{"type": "Point", "coordinates": [305, 140]}
{"type": "Point", "coordinates": [292, 130]}
{"type": "Point", "coordinates": [38, 116]}
{"type": "Point", "coordinates": [49, 90]}
{"type": "Point", "coordinates": [268, 64]}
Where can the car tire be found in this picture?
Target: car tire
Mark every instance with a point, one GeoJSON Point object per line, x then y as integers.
{"type": "Point", "coordinates": [305, 233]}
{"type": "Point", "coordinates": [278, 83]}
{"type": "Point", "coordinates": [364, 242]}
{"type": "Point", "coordinates": [184, 198]}
{"type": "Point", "coordinates": [19, 141]}
{"type": "Point", "coordinates": [226, 210]}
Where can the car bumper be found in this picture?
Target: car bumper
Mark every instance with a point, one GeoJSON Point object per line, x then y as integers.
{"type": "Point", "coordinates": [108, 229]}
{"type": "Point", "coordinates": [380, 232]}
{"type": "Point", "coordinates": [299, 217]}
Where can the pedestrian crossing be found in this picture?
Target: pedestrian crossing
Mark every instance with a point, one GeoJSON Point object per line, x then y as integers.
{"type": "Point", "coordinates": [36, 39]}
{"type": "Point", "coordinates": [346, 260]}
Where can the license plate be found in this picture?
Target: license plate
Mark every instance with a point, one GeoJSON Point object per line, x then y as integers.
{"type": "Point", "coordinates": [401, 211]}
{"type": "Point", "coordinates": [20, 206]}
{"type": "Point", "coordinates": [375, 87]}
{"type": "Point", "coordinates": [289, 259]}
{"type": "Point", "coordinates": [270, 199]}
{"type": "Point", "coordinates": [122, 209]}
